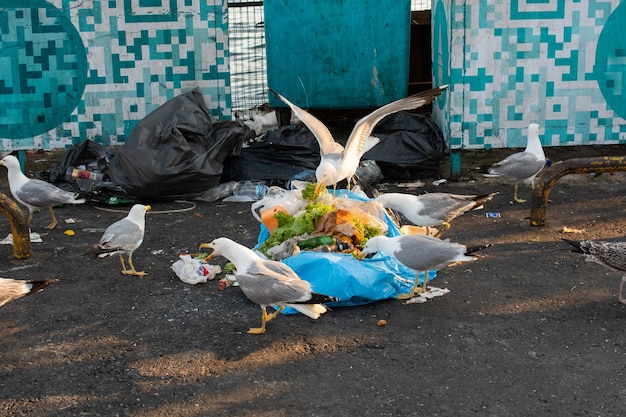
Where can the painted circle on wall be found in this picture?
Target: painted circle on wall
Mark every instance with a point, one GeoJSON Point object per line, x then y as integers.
{"type": "Point", "coordinates": [610, 65]}
{"type": "Point", "coordinates": [43, 68]}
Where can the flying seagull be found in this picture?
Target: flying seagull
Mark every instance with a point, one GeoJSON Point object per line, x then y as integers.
{"type": "Point", "coordinates": [36, 194]}
{"type": "Point", "coordinates": [610, 254]}
{"type": "Point", "coordinates": [12, 289]}
{"type": "Point", "coordinates": [268, 283]}
{"type": "Point", "coordinates": [123, 237]}
{"type": "Point", "coordinates": [433, 209]}
{"type": "Point", "coordinates": [522, 166]}
{"type": "Point", "coordinates": [420, 253]}
{"type": "Point", "coordinates": [338, 163]}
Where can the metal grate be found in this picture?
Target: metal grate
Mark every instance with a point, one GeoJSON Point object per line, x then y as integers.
{"type": "Point", "coordinates": [248, 73]}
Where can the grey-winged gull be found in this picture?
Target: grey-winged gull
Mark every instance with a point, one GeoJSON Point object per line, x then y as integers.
{"type": "Point", "coordinates": [36, 194]}
{"type": "Point", "coordinates": [338, 163]}
{"type": "Point", "coordinates": [522, 166]}
{"type": "Point", "coordinates": [12, 289]}
{"type": "Point", "coordinates": [268, 283]}
{"type": "Point", "coordinates": [123, 237]}
{"type": "Point", "coordinates": [433, 209]}
{"type": "Point", "coordinates": [420, 253]}
{"type": "Point", "coordinates": [610, 254]}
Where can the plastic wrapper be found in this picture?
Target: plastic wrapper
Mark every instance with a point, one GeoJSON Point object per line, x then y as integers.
{"type": "Point", "coordinates": [193, 271]}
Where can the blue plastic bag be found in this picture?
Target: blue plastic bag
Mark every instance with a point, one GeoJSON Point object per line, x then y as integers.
{"type": "Point", "coordinates": [352, 281]}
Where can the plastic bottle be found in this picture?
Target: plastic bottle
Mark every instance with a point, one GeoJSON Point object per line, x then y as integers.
{"type": "Point", "coordinates": [72, 174]}
{"type": "Point", "coordinates": [253, 190]}
{"type": "Point", "coordinates": [314, 242]}
{"type": "Point", "coordinates": [218, 192]}
{"type": "Point", "coordinates": [119, 201]}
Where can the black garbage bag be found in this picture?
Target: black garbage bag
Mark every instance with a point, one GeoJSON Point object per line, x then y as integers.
{"type": "Point", "coordinates": [411, 146]}
{"type": "Point", "coordinates": [176, 151]}
{"type": "Point", "coordinates": [275, 157]}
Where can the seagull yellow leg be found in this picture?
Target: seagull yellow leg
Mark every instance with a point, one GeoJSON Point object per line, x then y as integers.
{"type": "Point", "coordinates": [446, 226]}
{"type": "Point", "coordinates": [415, 290]}
{"type": "Point", "coordinates": [515, 198]}
{"type": "Point", "coordinates": [124, 270]}
{"type": "Point", "coordinates": [259, 330]}
{"type": "Point", "coordinates": [132, 270]}
{"type": "Point", "coordinates": [273, 315]}
{"type": "Point", "coordinates": [30, 218]}
{"type": "Point", "coordinates": [54, 219]}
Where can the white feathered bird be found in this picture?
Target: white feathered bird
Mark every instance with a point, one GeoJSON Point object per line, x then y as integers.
{"type": "Point", "coordinates": [421, 253]}
{"type": "Point", "coordinates": [36, 194]}
{"type": "Point", "coordinates": [433, 209]}
{"type": "Point", "coordinates": [268, 283]}
{"type": "Point", "coordinates": [338, 163]}
{"type": "Point", "coordinates": [123, 237]}
{"type": "Point", "coordinates": [522, 166]}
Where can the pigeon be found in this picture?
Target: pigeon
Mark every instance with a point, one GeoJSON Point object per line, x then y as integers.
{"type": "Point", "coordinates": [338, 163]}
{"type": "Point", "coordinates": [433, 209]}
{"type": "Point", "coordinates": [123, 237]}
{"type": "Point", "coordinates": [12, 289]}
{"type": "Point", "coordinates": [610, 254]}
{"type": "Point", "coordinates": [522, 166]}
{"type": "Point", "coordinates": [269, 283]}
{"type": "Point", "coordinates": [36, 194]}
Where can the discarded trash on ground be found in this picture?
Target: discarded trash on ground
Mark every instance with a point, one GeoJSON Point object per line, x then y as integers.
{"type": "Point", "coordinates": [194, 271]}
{"type": "Point", "coordinates": [34, 238]}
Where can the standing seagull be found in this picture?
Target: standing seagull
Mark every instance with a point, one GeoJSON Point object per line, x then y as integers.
{"type": "Point", "coordinates": [609, 254]}
{"type": "Point", "coordinates": [522, 166]}
{"type": "Point", "coordinates": [12, 289]}
{"type": "Point", "coordinates": [36, 194]}
{"type": "Point", "coordinates": [433, 209]}
{"type": "Point", "coordinates": [123, 237]}
{"type": "Point", "coordinates": [338, 163]}
{"type": "Point", "coordinates": [269, 283]}
{"type": "Point", "coordinates": [420, 253]}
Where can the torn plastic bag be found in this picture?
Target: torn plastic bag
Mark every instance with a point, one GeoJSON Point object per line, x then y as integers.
{"type": "Point", "coordinates": [176, 151]}
{"type": "Point", "coordinates": [354, 282]}
{"type": "Point", "coordinates": [277, 156]}
{"type": "Point", "coordinates": [411, 146]}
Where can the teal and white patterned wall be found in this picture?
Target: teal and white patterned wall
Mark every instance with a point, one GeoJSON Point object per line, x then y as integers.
{"type": "Point", "coordinates": [72, 70]}
{"type": "Point", "coordinates": [559, 63]}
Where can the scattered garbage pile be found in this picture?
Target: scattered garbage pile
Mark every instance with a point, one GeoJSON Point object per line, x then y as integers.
{"type": "Point", "coordinates": [320, 238]}
{"type": "Point", "coordinates": [178, 152]}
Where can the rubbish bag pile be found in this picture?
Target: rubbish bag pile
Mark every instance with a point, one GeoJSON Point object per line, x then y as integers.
{"type": "Point", "coordinates": [179, 152]}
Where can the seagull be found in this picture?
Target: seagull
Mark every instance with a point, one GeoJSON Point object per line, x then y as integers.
{"type": "Point", "coordinates": [610, 254]}
{"type": "Point", "coordinates": [420, 253]}
{"type": "Point", "coordinates": [36, 194]}
{"type": "Point", "coordinates": [123, 237]}
{"type": "Point", "coordinates": [433, 209]}
{"type": "Point", "coordinates": [522, 166]}
{"type": "Point", "coordinates": [12, 289]}
{"type": "Point", "coordinates": [269, 283]}
{"type": "Point", "coordinates": [338, 163]}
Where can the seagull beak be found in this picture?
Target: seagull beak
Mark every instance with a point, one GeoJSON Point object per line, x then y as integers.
{"type": "Point", "coordinates": [148, 208]}
{"type": "Point", "coordinates": [208, 246]}
{"type": "Point", "coordinates": [320, 185]}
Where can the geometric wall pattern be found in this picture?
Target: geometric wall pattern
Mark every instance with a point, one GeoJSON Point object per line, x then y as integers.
{"type": "Point", "coordinates": [72, 70]}
{"type": "Point", "coordinates": [559, 63]}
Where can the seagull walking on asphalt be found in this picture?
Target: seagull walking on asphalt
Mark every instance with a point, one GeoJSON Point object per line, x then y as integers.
{"type": "Point", "coordinates": [123, 237]}
{"type": "Point", "coordinates": [433, 209]}
{"type": "Point", "coordinates": [522, 166]}
{"type": "Point", "coordinates": [36, 194]}
{"type": "Point", "coordinates": [421, 253]}
{"type": "Point", "coordinates": [269, 283]}
{"type": "Point", "coordinates": [610, 254]}
{"type": "Point", "coordinates": [338, 163]}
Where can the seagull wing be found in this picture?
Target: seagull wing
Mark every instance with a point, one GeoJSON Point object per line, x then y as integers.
{"type": "Point", "coordinates": [39, 193]}
{"type": "Point", "coordinates": [122, 235]}
{"type": "Point", "coordinates": [519, 165]}
{"type": "Point", "coordinates": [320, 131]}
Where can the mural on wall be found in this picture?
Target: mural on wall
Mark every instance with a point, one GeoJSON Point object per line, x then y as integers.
{"type": "Point", "coordinates": [513, 62]}
{"type": "Point", "coordinates": [91, 69]}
